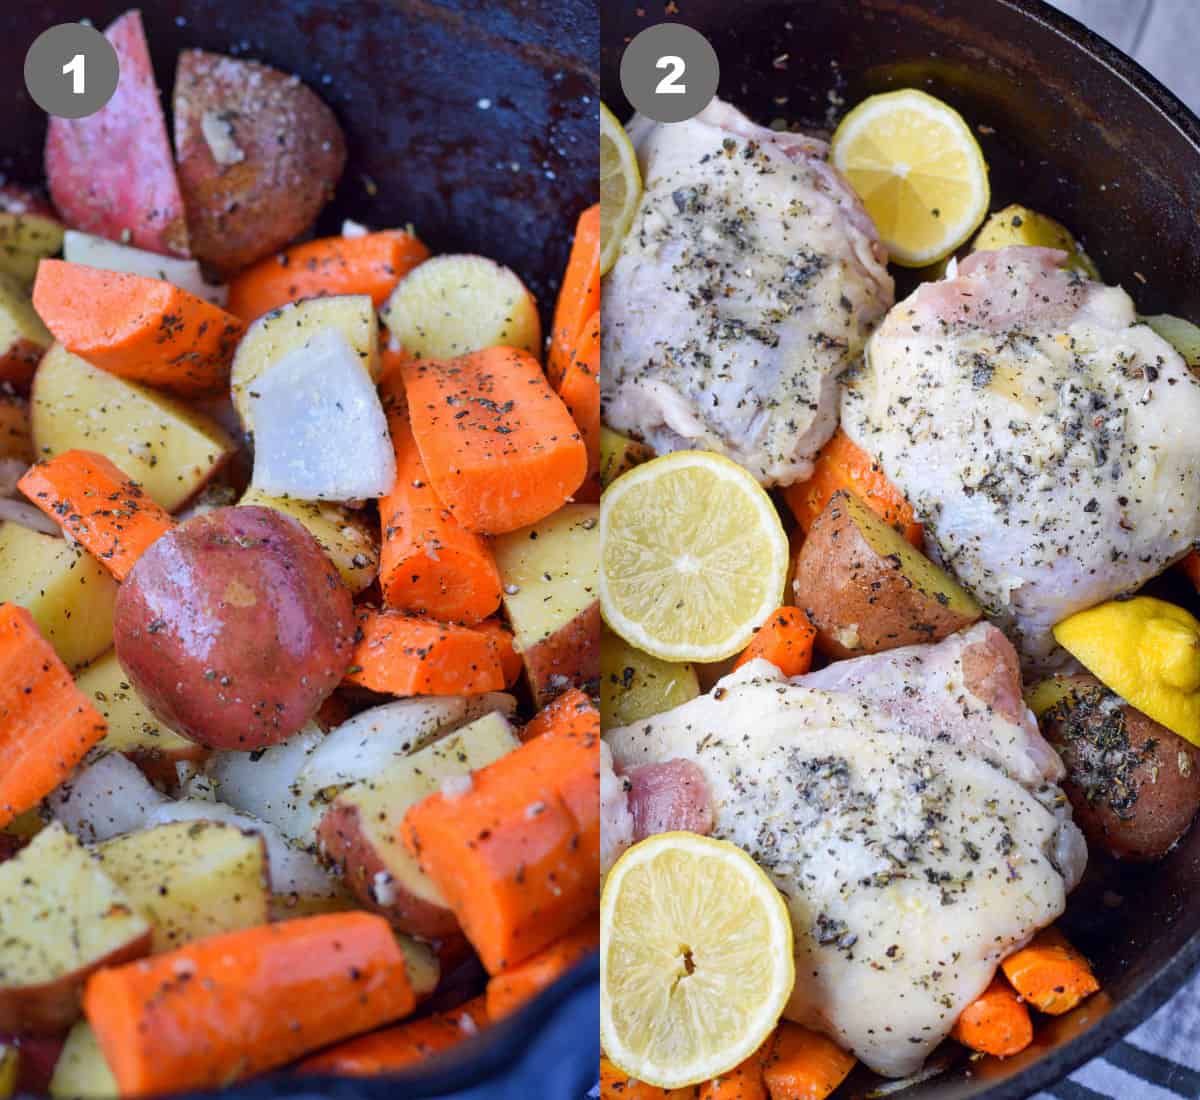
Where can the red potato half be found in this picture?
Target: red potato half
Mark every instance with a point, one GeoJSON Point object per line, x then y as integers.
{"type": "Point", "coordinates": [111, 173]}
{"type": "Point", "coordinates": [234, 627]}
{"type": "Point", "coordinates": [259, 156]}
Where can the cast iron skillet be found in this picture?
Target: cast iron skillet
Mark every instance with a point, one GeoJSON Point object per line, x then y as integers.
{"type": "Point", "coordinates": [1071, 127]}
{"type": "Point", "coordinates": [405, 78]}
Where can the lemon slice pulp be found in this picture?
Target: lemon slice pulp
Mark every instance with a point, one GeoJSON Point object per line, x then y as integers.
{"type": "Point", "coordinates": [918, 170]}
{"type": "Point", "coordinates": [696, 959]}
{"type": "Point", "coordinates": [693, 557]}
{"type": "Point", "coordinates": [620, 187]}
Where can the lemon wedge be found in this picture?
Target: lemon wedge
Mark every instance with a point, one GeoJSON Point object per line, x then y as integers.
{"type": "Point", "coordinates": [695, 959]}
{"type": "Point", "coordinates": [693, 557]}
{"type": "Point", "coordinates": [1019, 225]}
{"type": "Point", "coordinates": [620, 187]}
{"type": "Point", "coordinates": [918, 170]}
{"type": "Point", "coordinates": [1148, 652]}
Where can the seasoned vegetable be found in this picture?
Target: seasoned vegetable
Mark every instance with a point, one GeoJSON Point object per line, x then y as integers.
{"type": "Point", "coordinates": [618, 454]}
{"type": "Point", "coordinates": [571, 713]}
{"type": "Point", "coordinates": [30, 231]}
{"type": "Point", "coordinates": [1018, 225]}
{"type": "Point", "coordinates": [800, 1063]}
{"type": "Point", "coordinates": [104, 799]}
{"type": "Point", "coordinates": [91, 251]}
{"type": "Point", "coordinates": [47, 724]}
{"type": "Point", "coordinates": [260, 998]}
{"type": "Point", "coordinates": [997, 1022]}
{"type": "Point", "coordinates": [786, 640]}
{"type": "Point", "coordinates": [580, 390]}
{"type": "Point", "coordinates": [743, 1082]}
{"type": "Point", "coordinates": [81, 1072]}
{"type": "Point", "coordinates": [634, 685]}
{"type": "Point", "coordinates": [240, 607]}
{"type": "Point", "coordinates": [23, 336]}
{"type": "Point", "coordinates": [865, 588]}
{"type": "Point", "coordinates": [511, 989]}
{"type": "Point", "coordinates": [63, 918]}
{"type": "Point", "coordinates": [1050, 974]}
{"type": "Point", "coordinates": [579, 296]}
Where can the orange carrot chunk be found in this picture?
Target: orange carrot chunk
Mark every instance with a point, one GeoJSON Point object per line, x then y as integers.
{"type": "Point", "coordinates": [842, 464]}
{"type": "Point", "coordinates": [785, 639]}
{"type": "Point", "coordinates": [803, 1065]}
{"type": "Point", "coordinates": [579, 296]}
{"type": "Point", "coordinates": [509, 990]}
{"type": "Point", "coordinates": [572, 712]}
{"type": "Point", "coordinates": [615, 1084]}
{"type": "Point", "coordinates": [1050, 974]}
{"type": "Point", "coordinates": [580, 391]}
{"type": "Point", "coordinates": [1191, 568]}
{"type": "Point", "coordinates": [743, 1082]}
{"type": "Point", "coordinates": [145, 330]}
{"type": "Point", "coordinates": [371, 264]}
{"type": "Point", "coordinates": [89, 497]}
{"type": "Point", "coordinates": [428, 562]}
{"type": "Point", "coordinates": [233, 1005]}
{"type": "Point", "coordinates": [407, 1044]}
{"type": "Point", "coordinates": [517, 857]}
{"type": "Point", "coordinates": [997, 1022]}
{"type": "Point", "coordinates": [498, 444]}
{"type": "Point", "coordinates": [47, 725]}
{"type": "Point", "coordinates": [502, 640]}
{"type": "Point", "coordinates": [407, 655]}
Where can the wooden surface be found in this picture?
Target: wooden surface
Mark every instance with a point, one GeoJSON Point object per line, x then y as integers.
{"type": "Point", "coordinates": [1162, 35]}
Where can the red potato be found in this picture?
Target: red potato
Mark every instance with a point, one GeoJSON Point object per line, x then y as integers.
{"type": "Point", "coordinates": [259, 156]}
{"type": "Point", "coordinates": [234, 627]}
{"type": "Point", "coordinates": [111, 173]}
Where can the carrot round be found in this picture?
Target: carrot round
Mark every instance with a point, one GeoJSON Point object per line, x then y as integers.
{"type": "Point", "coordinates": [502, 639]}
{"type": "Point", "coordinates": [842, 464]}
{"type": "Point", "coordinates": [499, 445]}
{"type": "Point", "coordinates": [234, 1005]}
{"type": "Point", "coordinates": [407, 1044]}
{"type": "Point", "coordinates": [428, 562]}
{"type": "Point", "coordinates": [803, 1065]}
{"type": "Point", "coordinates": [511, 989]}
{"type": "Point", "coordinates": [615, 1084]}
{"type": "Point", "coordinates": [371, 264]}
{"type": "Point", "coordinates": [47, 725]}
{"type": "Point", "coordinates": [572, 712]}
{"type": "Point", "coordinates": [109, 515]}
{"type": "Point", "coordinates": [579, 296]}
{"type": "Point", "coordinates": [743, 1082]}
{"type": "Point", "coordinates": [996, 1022]}
{"type": "Point", "coordinates": [1050, 974]}
{"type": "Point", "coordinates": [407, 655]}
{"type": "Point", "coordinates": [580, 390]}
{"type": "Point", "coordinates": [145, 330]}
{"type": "Point", "coordinates": [785, 639]}
{"type": "Point", "coordinates": [517, 856]}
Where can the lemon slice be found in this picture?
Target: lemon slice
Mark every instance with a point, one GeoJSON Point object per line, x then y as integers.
{"type": "Point", "coordinates": [918, 170]}
{"type": "Point", "coordinates": [693, 557]}
{"type": "Point", "coordinates": [620, 187]}
{"type": "Point", "coordinates": [1148, 652]}
{"type": "Point", "coordinates": [695, 959]}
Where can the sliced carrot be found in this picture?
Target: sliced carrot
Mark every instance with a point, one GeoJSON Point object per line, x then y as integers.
{"type": "Point", "coordinates": [47, 725]}
{"type": "Point", "coordinates": [572, 712]}
{"type": "Point", "coordinates": [407, 1044]}
{"type": "Point", "coordinates": [996, 1022]}
{"type": "Point", "coordinates": [498, 444]}
{"type": "Point", "coordinates": [502, 638]}
{"type": "Point", "coordinates": [1050, 974]}
{"type": "Point", "coordinates": [580, 391]}
{"type": "Point", "coordinates": [407, 655]}
{"type": "Point", "coordinates": [517, 856]}
{"type": "Point", "coordinates": [372, 264]}
{"type": "Point", "coordinates": [579, 296]}
{"type": "Point", "coordinates": [785, 639]}
{"type": "Point", "coordinates": [803, 1064]}
{"type": "Point", "coordinates": [108, 514]}
{"type": "Point", "coordinates": [743, 1082]}
{"type": "Point", "coordinates": [842, 464]}
{"type": "Point", "coordinates": [1191, 568]}
{"type": "Point", "coordinates": [428, 562]}
{"type": "Point", "coordinates": [234, 1005]}
{"type": "Point", "coordinates": [615, 1084]}
{"type": "Point", "coordinates": [145, 330]}
{"type": "Point", "coordinates": [509, 990]}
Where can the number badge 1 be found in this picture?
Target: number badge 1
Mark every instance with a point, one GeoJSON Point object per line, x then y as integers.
{"type": "Point", "coordinates": [71, 70]}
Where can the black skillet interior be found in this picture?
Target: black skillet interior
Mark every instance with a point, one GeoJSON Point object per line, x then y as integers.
{"type": "Point", "coordinates": [476, 121]}
{"type": "Point", "coordinates": [1070, 127]}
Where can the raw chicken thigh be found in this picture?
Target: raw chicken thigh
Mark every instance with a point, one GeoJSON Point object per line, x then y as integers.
{"type": "Point", "coordinates": [902, 804]}
{"type": "Point", "coordinates": [748, 283]}
{"type": "Point", "coordinates": [1047, 440]}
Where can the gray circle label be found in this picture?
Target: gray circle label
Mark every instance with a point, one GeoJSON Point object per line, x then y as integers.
{"type": "Point", "coordinates": [71, 70]}
{"type": "Point", "coordinates": [669, 72]}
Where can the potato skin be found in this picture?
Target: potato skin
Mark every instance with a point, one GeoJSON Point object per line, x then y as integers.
{"type": "Point", "coordinates": [859, 600]}
{"type": "Point", "coordinates": [259, 155]}
{"type": "Point", "coordinates": [234, 628]}
{"type": "Point", "coordinates": [1133, 784]}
